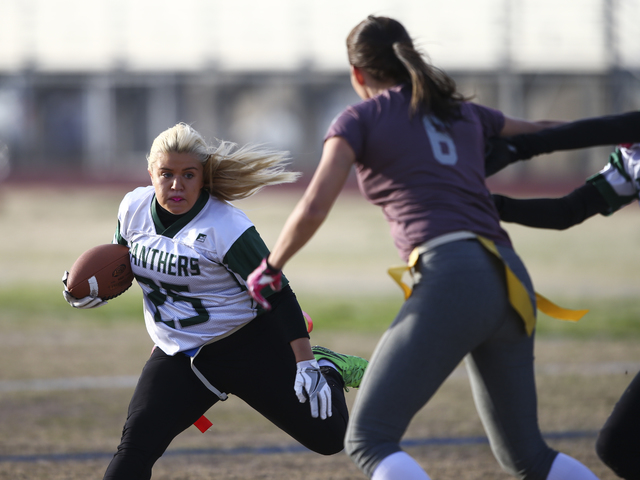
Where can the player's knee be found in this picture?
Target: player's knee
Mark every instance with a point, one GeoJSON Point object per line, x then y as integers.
{"type": "Point", "coordinates": [605, 446]}
{"type": "Point", "coordinates": [352, 448]}
{"type": "Point", "coordinates": [366, 451]}
{"type": "Point", "coordinates": [326, 439]}
{"type": "Point", "coordinates": [535, 466]}
{"type": "Point", "coordinates": [618, 454]}
{"type": "Point", "coordinates": [329, 451]}
{"type": "Point", "coordinates": [328, 447]}
{"type": "Point", "coordinates": [130, 462]}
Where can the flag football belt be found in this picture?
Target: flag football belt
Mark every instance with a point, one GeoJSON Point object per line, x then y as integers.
{"type": "Point", "coordinates": [203, 423]}
{"type": "Point", "coordinates": [518, 294]}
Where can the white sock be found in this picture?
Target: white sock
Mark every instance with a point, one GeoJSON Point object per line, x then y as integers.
{"type": "Point", "coordinates": [565, 467]}
{"type": "Point", "coordinates": [399, 466]}
{"type": "Point", "coordinates": [323, 362]}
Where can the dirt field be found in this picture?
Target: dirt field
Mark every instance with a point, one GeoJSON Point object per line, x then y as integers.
{"type": "Point", "coordinates": [65, 384]}
{"type": "Point", "coordinates": [59, 431]}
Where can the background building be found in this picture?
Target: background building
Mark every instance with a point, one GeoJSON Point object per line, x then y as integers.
{"type": "Point", "coordinates": [85, 85]}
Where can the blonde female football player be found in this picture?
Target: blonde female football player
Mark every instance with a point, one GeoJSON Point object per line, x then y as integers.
{"type": "Point", "coordinates": [191, 251]}
{"type": "Point", "coordinates": [418, 149]}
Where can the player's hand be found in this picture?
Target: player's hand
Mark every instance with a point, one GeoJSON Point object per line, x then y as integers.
{"type": "Point", "coordinates": [264, 276]}
{"type": "Point", "coordinates": [310, 383]}
{"type": "Point", "coordinates": [86, 302]}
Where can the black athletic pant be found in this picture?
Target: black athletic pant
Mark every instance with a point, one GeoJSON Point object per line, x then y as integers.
{"type": "Point", "coordinates": [255, 364]}
{"type": "Point", "coordinates": [618, 444]}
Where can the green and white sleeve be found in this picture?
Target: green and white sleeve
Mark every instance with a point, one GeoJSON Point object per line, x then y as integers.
{"type": "Point", "coordinates": [614, 181]}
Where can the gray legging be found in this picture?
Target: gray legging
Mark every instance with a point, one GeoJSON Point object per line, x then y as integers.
{"type": "Point", "coordinates": [459, 308]}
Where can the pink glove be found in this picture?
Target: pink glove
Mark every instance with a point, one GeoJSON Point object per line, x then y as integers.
{"type": "Point", "coordinates": [264, 276]}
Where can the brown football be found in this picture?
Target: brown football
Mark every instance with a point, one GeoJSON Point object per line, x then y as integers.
{"type": "Point", "coordinates": [103, 271]}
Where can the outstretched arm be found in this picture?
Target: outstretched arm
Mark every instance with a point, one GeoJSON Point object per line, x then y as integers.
{"type": "Point", "coordinates": [613, 187]}
{"type": "Point", "coordinates": [554, 213]}
{"type": "Point", "coordinates": [499, 152]}
{"type": "Point", "coordinates": [589, 132]}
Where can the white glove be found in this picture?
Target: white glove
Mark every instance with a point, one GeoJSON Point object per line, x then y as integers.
{"type": "Point", "coordinates": [86, 302]}
{"type": "Point", "coordinates": [310, 383]}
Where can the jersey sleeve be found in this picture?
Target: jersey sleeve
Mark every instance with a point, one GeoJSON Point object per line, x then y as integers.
{"type": "Point", "coordinates": [617, 182]}
{"type": "Point", "coordinates": [492, 120]}
{"type": "Point", "coordinates": [243, 257]}
{"type": "Point", "coordinates": [119, 236]}
{"type": "Point", "coordinates": [348, 126]}
{"type": "Point", "coordinates": [246, 253]}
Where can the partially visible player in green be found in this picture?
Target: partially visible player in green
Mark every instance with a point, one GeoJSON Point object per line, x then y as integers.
{"type": "Point", "coordinates": [191, 252]}
{"type": "Point", "coordinates": [616, 185]}
{"type": "Point", "coordinates": [583, 133]}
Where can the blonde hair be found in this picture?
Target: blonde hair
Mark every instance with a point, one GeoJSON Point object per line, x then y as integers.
{"type": "Point", "coordinates": [230, 172]}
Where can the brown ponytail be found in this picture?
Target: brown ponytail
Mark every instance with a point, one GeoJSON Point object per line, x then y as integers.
{"type": "Point", "coordinates": [383, 48]}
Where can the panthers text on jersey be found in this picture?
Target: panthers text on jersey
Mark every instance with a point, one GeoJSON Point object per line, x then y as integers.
{"type": "Point", "coordinates": [193, 273]}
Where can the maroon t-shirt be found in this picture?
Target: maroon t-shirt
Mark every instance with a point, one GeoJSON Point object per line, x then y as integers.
{"type": "Point", "coordinates": [428, 179]}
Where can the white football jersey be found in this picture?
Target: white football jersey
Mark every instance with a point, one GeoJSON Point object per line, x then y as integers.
{"type": "Point", "coordinates": [619, 181]}
{"type": "Point", "coordinates": [191, 295]}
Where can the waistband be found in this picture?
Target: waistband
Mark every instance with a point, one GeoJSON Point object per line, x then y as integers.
{"type": "Point", "coordinates": [437, 241]}
{"type": "Point", "coordinates": [517, 292]}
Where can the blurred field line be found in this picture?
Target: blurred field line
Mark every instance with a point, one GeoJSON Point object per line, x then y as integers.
{"type": "Point", "coordinates": [279, 449]}
{"type": "Point", "coordinates": [129, 381]}
{"type": "Point", "coordinates": [71, 383]}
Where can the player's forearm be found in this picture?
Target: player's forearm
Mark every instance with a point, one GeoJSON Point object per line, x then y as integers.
{"type": "Point", "coordinates": [589, 132]}
{"type": "Point", "coordinates": [302, 349]}
{"type": "Point", "coordinates": [534, 212]}
{"type": "Point", "coordinates": [553, 213]}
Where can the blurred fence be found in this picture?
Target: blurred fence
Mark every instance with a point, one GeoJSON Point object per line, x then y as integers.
{"type": "Point", "coordinates": [100, 126]}
{"type": "Point", "coordinates": [85, 85]}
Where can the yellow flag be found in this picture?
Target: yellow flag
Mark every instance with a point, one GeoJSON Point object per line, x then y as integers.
{"type": "Point", "coordinates": [518, 294]}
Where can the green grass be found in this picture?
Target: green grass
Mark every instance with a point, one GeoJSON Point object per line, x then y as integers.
{"type": "Point", "coordinates": [21, 305]}
{"type": "Point", "coordinates": [364, 314]}
{"type": "Point", "coordinates": [616, 318]}
{"type": "Point", "coordinates": [607, 318]}
{"type": "Point", "coordinates": [339, 277]}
